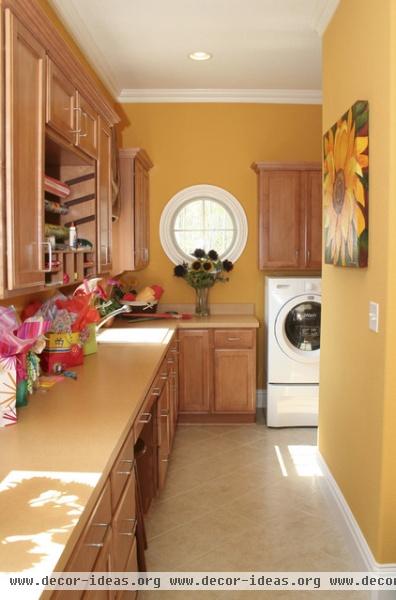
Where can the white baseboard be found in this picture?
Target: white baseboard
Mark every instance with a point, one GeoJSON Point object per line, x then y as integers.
{"type": "Point", "coordinates": [261, 398]}
{"type": "Point", "coordinates": [354, 533]}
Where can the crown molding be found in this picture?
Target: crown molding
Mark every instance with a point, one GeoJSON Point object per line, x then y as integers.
{"type": "Point", "coordinates": [324, 15]}
{"type": "Point", "coordinates": [255, 96]}
{"type": "Point", "coordinates": [70, 16]}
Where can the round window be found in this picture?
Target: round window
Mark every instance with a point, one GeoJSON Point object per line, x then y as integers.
{"type": "Point", "coordinates": [203, 216]}
{"type": "Point", "coordinates": [302, 326]}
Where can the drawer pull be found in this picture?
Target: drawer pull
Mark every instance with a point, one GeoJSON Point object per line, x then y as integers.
{"type": "Point", "coordinates": [174, 351]}
{"type": "Point", "coordinates": [124, 472]}
{"type": "Point", "coordinates": [100, 524]}
{"type": "Point", "coordinates": [165, 460]}
{"type": "Point", "coordinates": [145, 418]}
{"type": "Point", "coordinates": [170, 361]}
{"type": "Point", "coordinates": [164, 376]}
{"type": "Point", "coordinates": [127, 460]}
{"type": "Point", "coordinates": [155, 392]}
{"type": "Point", "coordinates": [233, 339]}
{"type": "Point", "coordinates": [165, 412]}
{"type": "Point", "coordinates": [94, 545]}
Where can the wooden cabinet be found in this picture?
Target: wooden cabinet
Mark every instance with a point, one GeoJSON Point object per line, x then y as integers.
{"type": "Point", "coordinates": [131, 232]}
{"type": "Point", "coordinates": [24, 149]}
{"type": "Point", "coordinates": [54, 122]}
{"type": "Point", "coordinates": [104, 205]}
{"type": "Point", "coordinates": [195, 371]}
{"type": "Point", "coordinates": [124, 526]}
{"type": "Point", "coordinates": [93, 545]}
{"type": "Point", "coordinates": [61, 102]}
{"type": "Point", "coordinates": [217, 375]}
{"type": "Point", "coordinates": [290, 216]}
{"type": "Point", "coordinates": [234, 371]}
{"type": "Point", "coordinates": [163, 433]}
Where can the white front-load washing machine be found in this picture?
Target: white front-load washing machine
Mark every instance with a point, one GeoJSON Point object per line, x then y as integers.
{"type": "Point", "coordinates": [293, 310]}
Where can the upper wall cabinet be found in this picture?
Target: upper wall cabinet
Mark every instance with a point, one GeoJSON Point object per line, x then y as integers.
{"type": "Point", "coordinates": [290, 216]}
{"type": "Point", "coordinates": [132, 250]}
{"type": "Point", "coordinates": [49, 131]}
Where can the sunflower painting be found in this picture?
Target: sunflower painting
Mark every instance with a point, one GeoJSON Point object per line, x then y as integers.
{"type": "Point", "coordinates": [345, 189]}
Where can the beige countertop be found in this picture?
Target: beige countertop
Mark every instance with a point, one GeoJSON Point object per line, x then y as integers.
{"type": "Point", "coordinates": [66, 440]}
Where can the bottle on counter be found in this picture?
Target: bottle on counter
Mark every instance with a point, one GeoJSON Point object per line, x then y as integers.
{"type": "Point", "coordinates": [73, 236]}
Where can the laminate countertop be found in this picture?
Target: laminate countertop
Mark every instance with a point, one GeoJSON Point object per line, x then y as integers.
{"type": "Point", "coordinates": [55, 458]}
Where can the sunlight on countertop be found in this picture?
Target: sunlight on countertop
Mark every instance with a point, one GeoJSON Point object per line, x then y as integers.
{"type": "Point", "coordinates": [135, 336]}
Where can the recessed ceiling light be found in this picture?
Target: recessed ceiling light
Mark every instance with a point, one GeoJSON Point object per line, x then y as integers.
{"type": "Point", "coordinates": [200, 56]}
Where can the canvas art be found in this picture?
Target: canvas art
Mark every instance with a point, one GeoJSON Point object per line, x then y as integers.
{"type": "Point", "coordinates": [345, 189]}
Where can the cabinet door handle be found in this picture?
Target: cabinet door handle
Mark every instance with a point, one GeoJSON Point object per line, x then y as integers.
{"type": "Point", "coordinates": [233, 339]}
{"type": "Point", "coordinates": [309, 256]}
{"type": "Point", "coordinates": [49, 257]}
{"type": "Point", "coordinates": [145, 418]}
{"type": "Point", "coordinates": [297, 252]}
{"type": "Point", "coordinates": [86, 132]}
{"type": "Point", "coordinates": [77, 130]}
{"type": "Point", "coordinates": [165, 460]}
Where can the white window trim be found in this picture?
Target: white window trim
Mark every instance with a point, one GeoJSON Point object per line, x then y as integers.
{"type": "Point", "coordinates": [188, 194]}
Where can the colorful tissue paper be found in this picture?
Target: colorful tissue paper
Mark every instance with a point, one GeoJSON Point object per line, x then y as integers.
{"type": "Point", "coordinates": [8, 387]}
{"type": "Point", "coordinates": [16, 340]}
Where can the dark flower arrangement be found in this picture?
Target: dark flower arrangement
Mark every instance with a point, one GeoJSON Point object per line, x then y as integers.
{"type": "Point", "coordinates": [205, 270]}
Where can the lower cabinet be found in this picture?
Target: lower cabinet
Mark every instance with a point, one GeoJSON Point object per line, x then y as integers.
{"type": "Point", "coordinates": [217, 375]}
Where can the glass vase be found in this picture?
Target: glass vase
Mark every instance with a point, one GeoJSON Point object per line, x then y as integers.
{"type": "Point", "coordinates": [202, 302]}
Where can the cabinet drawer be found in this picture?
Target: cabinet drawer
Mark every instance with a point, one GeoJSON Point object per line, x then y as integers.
{"type": "Point", "coordinates": [123, 468]}
{"type": "Point", "coordinates": [234, 338]}
{"type": "Point", "coordinates": [124, 526]}
{"type": "Point", "coordinates": [90, 545]}
{"type": "Point", "coordinates": [145, 413]}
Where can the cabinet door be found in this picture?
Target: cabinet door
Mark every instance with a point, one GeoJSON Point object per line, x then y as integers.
{"type": "Point", "coordinates": [279, 220]}
{"type": "Point", "coordinates": [87, 127]}
{"type": "Point", "coordinates": [163, 433]}
{"type": "Point", "coordinates": [104, 199]}
{"type": "Point", "coordinates": [141, 216]}
{"type": "Point", "coordinates": [195, 372]}
{"type": "Point", "coordinates": [313, 219]}
{"type": "Point", "coordinates": [25, 108]}
{"type": "Point", "coordinates": [234, 381]}
{"type": "Point", "coordinates": [61, 96]}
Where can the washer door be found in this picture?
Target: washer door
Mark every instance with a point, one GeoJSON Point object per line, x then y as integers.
{"type": "Point", "coordinates": [297, 328]}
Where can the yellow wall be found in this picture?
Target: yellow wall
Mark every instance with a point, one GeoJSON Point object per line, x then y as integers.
{"type": "Point", "coordinates": [216, 144]}
{"type": "Point", "coordinates": [357, 416]}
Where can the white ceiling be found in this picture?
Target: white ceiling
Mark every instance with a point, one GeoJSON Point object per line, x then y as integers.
{"type": "Point", "coordinates": [263, 50]}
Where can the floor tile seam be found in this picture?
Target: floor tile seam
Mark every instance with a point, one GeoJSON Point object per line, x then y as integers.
{"type": "Point", "coordinates": [179, 525]}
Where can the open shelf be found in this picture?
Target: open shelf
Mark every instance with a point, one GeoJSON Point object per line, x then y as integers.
{"type": "Point", "coordinates": [67, 164]}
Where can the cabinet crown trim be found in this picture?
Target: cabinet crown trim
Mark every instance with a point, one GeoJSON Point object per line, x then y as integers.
{"type": "Point", "coordinates": [286, 166]}
{"type": "Point", "coordinates": [139, 153]}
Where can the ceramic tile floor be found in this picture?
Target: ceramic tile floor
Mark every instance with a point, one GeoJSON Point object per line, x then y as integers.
{"type": "Point", "coordinates": [245, 498]}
